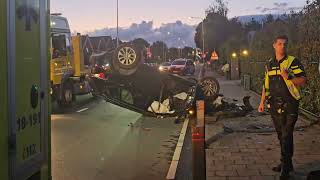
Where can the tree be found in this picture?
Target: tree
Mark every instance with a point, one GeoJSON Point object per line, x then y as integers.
{"type": "Point", "coordinates": [213, 24]}
{"type": "Point", "coordinates": [159, 50]}
{"type": "Point", "coordinates": [140, 42]}
{"type": "Point", "coordinates": [253, 25]}
{"type": "Point", "coordinates": [309, 25]}
{"type": "Point", "coordinates": [173, 53]}
{"type": "Point", "coordinates": [269, 19]}
{"type": "Point", "coordinates": [218, 7]}
{"type": "Point", "coordinates": [218, 29]}
{"type": "Point", "coordinates": [187, 52]}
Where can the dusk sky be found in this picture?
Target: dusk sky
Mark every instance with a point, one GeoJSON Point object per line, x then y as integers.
{"type": "Point", "coordinates": [88, 15]}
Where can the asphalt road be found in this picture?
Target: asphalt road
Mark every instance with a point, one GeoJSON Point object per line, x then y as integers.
{"type": "Point", "coordinates": [95, 140]}
{"type": "Point", "coordinates": [104, 141]}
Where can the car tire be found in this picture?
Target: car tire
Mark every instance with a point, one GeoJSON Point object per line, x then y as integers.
{"type": "Point", "coordinates": [126, 59]}
{"type": "Point", "coordinates": [67, 95]}
{"type": "Point", "coordinates": [210, 87]}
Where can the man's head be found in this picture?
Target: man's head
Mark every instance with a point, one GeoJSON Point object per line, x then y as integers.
{"type": "Point", "coordinates": [280, 44]}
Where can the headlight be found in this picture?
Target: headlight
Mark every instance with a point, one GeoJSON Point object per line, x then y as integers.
{"type": "Point", "coordinates": [161, 68]}
{"type": "Point", "coordinates": [191, 112]}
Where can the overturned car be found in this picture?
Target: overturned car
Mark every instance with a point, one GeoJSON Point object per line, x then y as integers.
{"type": "Point", "coordinates": [131, 84]}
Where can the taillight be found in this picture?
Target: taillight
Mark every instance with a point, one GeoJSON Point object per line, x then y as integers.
{"type": "Point", "coordinates": [102, 75]}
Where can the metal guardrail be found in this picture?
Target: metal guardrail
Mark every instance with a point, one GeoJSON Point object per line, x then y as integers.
{"type": "Point", "coordinates": [311, 116]}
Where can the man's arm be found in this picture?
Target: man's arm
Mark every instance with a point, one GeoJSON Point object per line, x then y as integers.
{"type": "Point", "coordinates": [263, 99]}
{"type": "Point", "coordinates": [263, 96]}
{"type": "Point", "coordinates": [299, 76]}
{"type": "Point", "coordinates": [299, 81]}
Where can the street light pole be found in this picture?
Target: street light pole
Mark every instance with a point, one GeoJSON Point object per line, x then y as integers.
{"type": "Point", "coordinates": [202, 27]}
{"type": "Point", "coordinates": [163, 58]}
{"type": "Point", "coordinates": [202, 38]}
{"type": "Point", "coordinates": [117, 23]}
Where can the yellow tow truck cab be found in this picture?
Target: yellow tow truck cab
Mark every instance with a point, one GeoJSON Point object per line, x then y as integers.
{"type": "Point", "coordinates": [68, 73]}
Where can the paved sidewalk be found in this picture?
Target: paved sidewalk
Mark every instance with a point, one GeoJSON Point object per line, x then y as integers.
{"type": "Point", "coordinates": [247, 147]}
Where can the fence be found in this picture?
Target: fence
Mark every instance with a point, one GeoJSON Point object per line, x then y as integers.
{"type": "Point", "coordinates": [255, 70]}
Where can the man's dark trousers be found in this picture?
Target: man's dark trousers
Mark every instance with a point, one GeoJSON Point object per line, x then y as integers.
{"type": "Point", "coordinates": [284, 123]}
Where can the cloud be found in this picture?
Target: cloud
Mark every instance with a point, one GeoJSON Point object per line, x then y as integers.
{"type": "Point", "coordinates": [281, 5]}
{"type": "Point", "coordinates": [295, 8]}
{"type": "Point", "coordinates": [175, 34]}
{"type": "Point", "coordinates": [269, 9]}
{"type": "Point", "coordinates": [279, 8]}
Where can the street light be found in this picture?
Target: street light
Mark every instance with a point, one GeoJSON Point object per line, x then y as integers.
{"type": "Point", "coordinates": [245, 52]}
{"type": "Point", "coordinates": [202, 31]}
{"type": "Point", "coordinates": [234, 55]}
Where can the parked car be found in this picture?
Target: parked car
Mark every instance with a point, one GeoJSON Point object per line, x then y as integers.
{"type": "Point", "coordinates": [182, 67]}
{"type": "Point", "coordinates": [153, 65]}
{"type": "Point", "coordinates": [165, 67]}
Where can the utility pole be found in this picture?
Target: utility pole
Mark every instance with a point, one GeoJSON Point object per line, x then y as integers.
{"type": "Point", "coordinates": [202, 27]}
{"type": "Point", "coordinates": [203, 37]}
{"type": "Point", "coordinates": [117, 23]}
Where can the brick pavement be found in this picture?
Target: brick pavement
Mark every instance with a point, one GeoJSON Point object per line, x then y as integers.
{"type": "Point", "coordinates": [250, 156]}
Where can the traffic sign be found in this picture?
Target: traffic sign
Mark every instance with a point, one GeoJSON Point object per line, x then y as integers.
{"type": "Point", "coordinates": [214, 56]}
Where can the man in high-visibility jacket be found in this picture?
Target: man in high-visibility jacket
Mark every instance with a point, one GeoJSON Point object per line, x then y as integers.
{"type": "Point", "coordinates": [284, 76]}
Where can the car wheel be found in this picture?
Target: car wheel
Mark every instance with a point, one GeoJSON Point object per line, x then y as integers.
{"type": "Point", "coordinates": [210, 87]}
{"type": "Point", "coordinates": [67, 95]}
{"type": "Point", "coordinates": [126, 59]}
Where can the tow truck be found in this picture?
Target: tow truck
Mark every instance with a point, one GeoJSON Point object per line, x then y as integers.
{"type": "Point", "coordinates": [69, 63]}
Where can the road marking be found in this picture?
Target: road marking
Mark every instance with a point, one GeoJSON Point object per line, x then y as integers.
{"type": "Point", "coordinates": [81, 110]}
{"type": "Point", "coordinates": [177, 153]}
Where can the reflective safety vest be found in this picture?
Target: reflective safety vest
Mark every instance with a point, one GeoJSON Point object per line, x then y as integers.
{"type": "Point", "coordinates": [293, 89]}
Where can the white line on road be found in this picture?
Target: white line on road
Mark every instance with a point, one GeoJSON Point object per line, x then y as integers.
{"type": "Point", "coordinates": [81, 110]}
{"type": "Point", "coordinates": [176, 156]}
